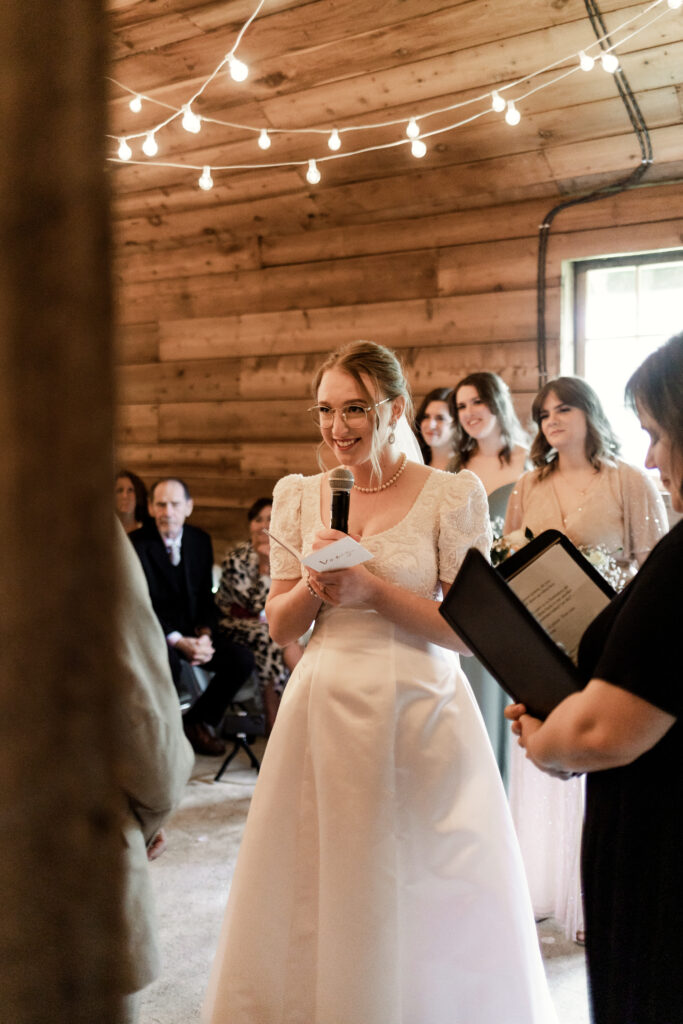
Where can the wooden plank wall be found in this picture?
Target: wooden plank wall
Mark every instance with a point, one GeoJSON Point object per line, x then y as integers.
{"type": "Point", "coordinates": [218, 342]}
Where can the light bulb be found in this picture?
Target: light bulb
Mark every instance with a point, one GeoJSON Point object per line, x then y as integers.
{"type": "Point", "coordinates": [418, 148]}
{"type": "Point", "coordinates": [674, 4]}
{"type": "Point", "coordinates": [238, 69]}
{"type": "Point", "coordinates": [149, 146]}
{"type": "Point", "coordinates": [587, 62]}
{"type": "Point", "coordinates": [191, 121]}
{"type": "Point", "coordinates": [312, 174]}
{"type": "Point", "coordinates": [334, 142]}
{"type": "Point", "coordinates": [512, 115]}
{"type": "Point", "coordinates": [206, 181]}
{"type": "Point", "coordinates": [136, 104]}
{"type": "Point", "coordinates": [610, 62]}
{"type": "Point", "coordinates": [124, 151]}
{"type": "Point", "coordinates": [497, 102]}
{"type": "Point", "coordinates": [412, 131]}
{"type": "Point", "coordinates": [264, 139]}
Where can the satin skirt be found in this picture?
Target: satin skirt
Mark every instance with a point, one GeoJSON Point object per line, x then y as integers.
{"type": "Point", "coordinates": [379, 880]}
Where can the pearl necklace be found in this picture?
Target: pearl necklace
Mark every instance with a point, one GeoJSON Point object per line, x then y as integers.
{"type": "Point", "coordinates": [390, 481]}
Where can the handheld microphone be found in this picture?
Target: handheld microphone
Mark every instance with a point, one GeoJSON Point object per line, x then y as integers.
{"type": "Point", "coordinates": [341, 482]}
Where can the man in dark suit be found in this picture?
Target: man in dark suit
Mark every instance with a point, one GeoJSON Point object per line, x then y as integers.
{"type": "Point", "coordinates": [178, 560]}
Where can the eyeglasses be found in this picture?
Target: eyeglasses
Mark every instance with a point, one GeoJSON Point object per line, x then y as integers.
{"type": "Point", "coordinates": [354, 414]}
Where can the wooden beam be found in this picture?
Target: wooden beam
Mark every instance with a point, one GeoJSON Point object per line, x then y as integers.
{"type": "Point", "coordinates": [453, 320]}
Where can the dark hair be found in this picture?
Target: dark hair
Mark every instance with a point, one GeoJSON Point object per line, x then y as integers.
{"type": "Point", "coordinates": [601, 442]}
{"type": "Point", "coordinates": [657, 386]}
{"type": "Point", "coordinates": [384, 369]}
{"type": "Point", "coordinates": [141, 513]}
{"type": "Point", "coordinates": [170, 480]}
{"type": "Point", "coordinates": [495, 394]}
{"type": "Point", "coordinates": [257, 507]}
{"type": "Point", "coordinates": [436, 395]}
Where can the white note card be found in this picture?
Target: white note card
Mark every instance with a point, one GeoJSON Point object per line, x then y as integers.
{"type": "Point", "coordinates": [341, 554]}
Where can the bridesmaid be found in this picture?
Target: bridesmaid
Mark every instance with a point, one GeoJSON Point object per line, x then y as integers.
{"type": "Point", "coordinates": [490, 442]}
{"type": "Point", "coordinates": [435, 421]}
{"type": "Point", "coordinates": [580, 487]}
{"type": "Point", "coordinates": [489, 439]}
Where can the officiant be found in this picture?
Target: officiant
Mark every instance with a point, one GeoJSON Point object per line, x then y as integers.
{"type": "Point", "coordinates": [624, 731]}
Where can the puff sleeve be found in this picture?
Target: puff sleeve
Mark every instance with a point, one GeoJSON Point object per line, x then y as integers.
{"type": "Point", "coordinates": [285, 523]}
{"type": "Point", "coordinates": [463, 522]}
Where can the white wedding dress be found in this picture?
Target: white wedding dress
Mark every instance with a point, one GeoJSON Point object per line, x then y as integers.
{"type": "Point", "coordinates": [379, 879]}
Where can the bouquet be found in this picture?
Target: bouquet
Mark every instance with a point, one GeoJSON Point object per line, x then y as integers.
{"type": "Point", "coordinates": [505, 544]}
{"type": "Point", "coordinates": [606, 564]}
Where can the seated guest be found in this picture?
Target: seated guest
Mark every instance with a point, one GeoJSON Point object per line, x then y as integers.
{"type": "Point", "coordinates": [177, 560]}
{"type": "Point", "coordinates": [241, 600]}
{"type": "Point", "coordinates": [130, 500]}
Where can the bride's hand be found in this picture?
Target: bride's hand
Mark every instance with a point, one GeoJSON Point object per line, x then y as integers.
{"type": "Point", "coordinates": [344, 586]}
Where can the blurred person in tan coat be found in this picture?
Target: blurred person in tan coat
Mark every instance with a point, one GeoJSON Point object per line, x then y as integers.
{"type": "Point", "coordinates": [156, 761]}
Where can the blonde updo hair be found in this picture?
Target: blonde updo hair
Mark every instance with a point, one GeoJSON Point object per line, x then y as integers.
{"type": "Point", "coordinates": [367, 359]}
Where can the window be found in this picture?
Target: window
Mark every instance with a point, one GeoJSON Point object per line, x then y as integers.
{"type": "Point", "coordinates": [624, 307]}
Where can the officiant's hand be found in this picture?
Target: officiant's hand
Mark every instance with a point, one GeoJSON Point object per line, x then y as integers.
{"type": "Point", "coordinates": [524, 726]}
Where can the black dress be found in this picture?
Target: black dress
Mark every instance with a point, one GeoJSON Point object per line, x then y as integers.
{"type": "Point", "coordinates": [632, 858]}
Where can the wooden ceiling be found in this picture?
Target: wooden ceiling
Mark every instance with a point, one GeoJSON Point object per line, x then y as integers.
{"type": "Point", "coordinates": [326, 63]}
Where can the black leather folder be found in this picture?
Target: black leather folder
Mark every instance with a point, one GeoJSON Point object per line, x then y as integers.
{"type": "Point", "coordinates": [484, 611]}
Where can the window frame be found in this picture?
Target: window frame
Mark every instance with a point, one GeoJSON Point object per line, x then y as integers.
{"type": "Point", "coordinates": [581, 268]}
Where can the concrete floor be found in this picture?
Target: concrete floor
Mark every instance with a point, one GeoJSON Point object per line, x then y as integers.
{"type": "Point", "coordinates": [191, 882]}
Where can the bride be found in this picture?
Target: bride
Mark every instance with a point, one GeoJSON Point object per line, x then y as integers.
{"type": "Point", "coordinates": [379, 880]}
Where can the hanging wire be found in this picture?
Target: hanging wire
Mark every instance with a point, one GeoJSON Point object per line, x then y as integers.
{"type": "Point", "coordinates": [601, 41]}
{"type": "Point", "coordinates": [630, 181]}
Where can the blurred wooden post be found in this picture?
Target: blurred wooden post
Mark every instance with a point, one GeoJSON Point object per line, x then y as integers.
{"type": "Point", "coordinates": [59, 848]}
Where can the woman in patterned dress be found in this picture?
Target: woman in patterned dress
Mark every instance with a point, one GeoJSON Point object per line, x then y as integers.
{"type": "Point", "coordinates": [241, 600]}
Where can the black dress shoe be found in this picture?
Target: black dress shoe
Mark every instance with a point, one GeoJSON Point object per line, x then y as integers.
{"type": "Point", "coordinates": [202, 741]}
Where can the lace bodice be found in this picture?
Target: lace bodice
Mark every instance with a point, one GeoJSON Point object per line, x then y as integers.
{"type": "Point", "coordinates": [449, 516]}
{"type": "Point", "coordinates": [621, 511]}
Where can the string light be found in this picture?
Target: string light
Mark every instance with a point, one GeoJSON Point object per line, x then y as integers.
{"type": "Point", "coordinates": [312, 174]}
{"type": "Point", "coordinates": [418, 148]}
{"type": "Point", "coordinates": [191, 121]}
{"type": "Point", "coordinates": [237, 68]}
{"type": "Point", "coordinates": [412, 131]}
{"type": "Point", "coordinates": [512, 115]}
{"type": "Point", "coordinates": [206, 181]}
{"type": "Point", "coordinates": [149, 146]}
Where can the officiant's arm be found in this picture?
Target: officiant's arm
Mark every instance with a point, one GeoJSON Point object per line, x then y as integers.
{"type": "Point", "coordinates": [602, 726]}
